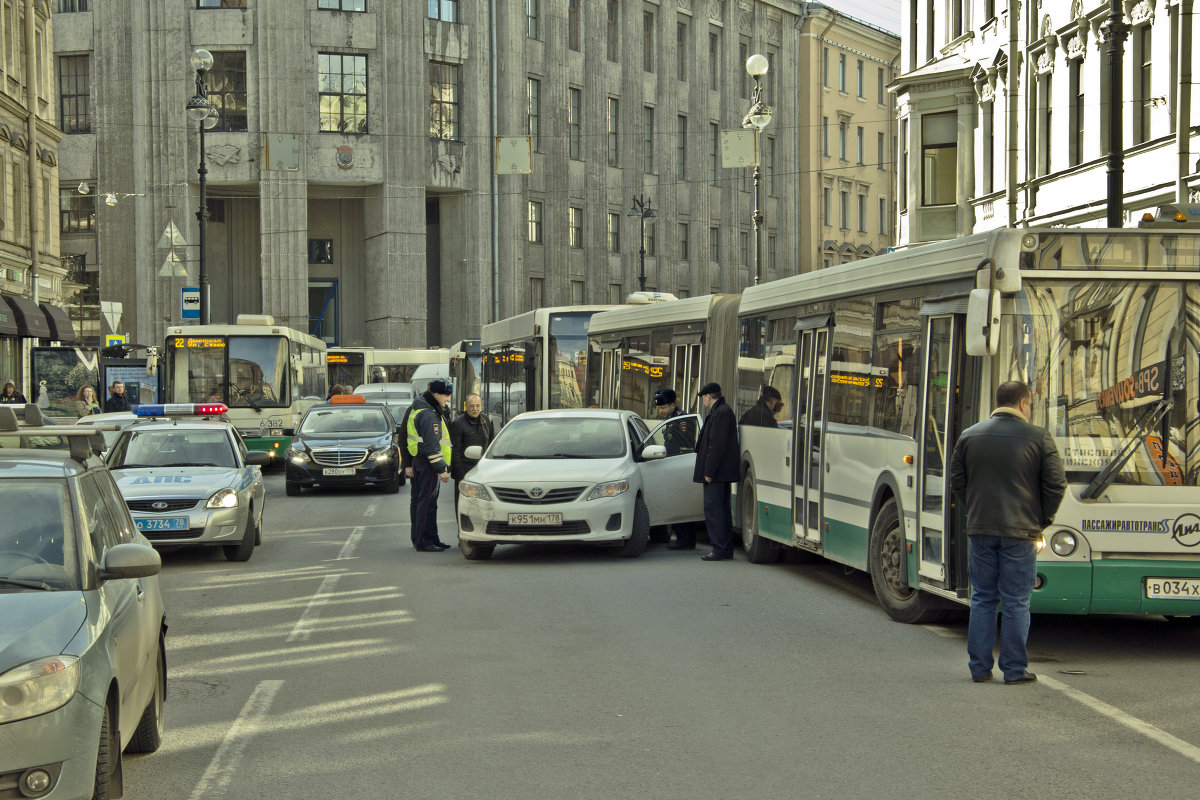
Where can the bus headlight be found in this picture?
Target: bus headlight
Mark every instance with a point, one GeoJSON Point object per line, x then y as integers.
{"type": "Point", "coordinates": [226, 498]}
{"type": "Point", "coordinates": [1063, 543]}
{"type": "Point", "coordinates": [610, 489]}
{"type": "Point", "coordinates": [476, 491]}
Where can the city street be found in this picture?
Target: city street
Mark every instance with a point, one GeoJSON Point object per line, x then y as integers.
{"type": "Point", "coordinates": [338, 662]}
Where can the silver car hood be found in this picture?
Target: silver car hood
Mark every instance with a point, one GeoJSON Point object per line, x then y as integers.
{"type": "Point", "coordinates": [38, 624]}
{"type": "Point", "coordinates": [138, 484]}
{"type": "Point", "coordinates": [548, 471]}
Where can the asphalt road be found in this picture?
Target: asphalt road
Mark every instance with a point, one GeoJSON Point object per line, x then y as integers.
{"type": "Point", "coordinates": [338, 662]}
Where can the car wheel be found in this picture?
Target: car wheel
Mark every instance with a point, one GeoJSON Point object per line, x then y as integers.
{"type": "Point", "coordinates": [473, 551]}
{"type": "Point", "coordinates": [148, 736]}
{"type": "Point", "coordinates": [243, 551]}
{"type": "Point", "coordinates": [660, 534]}
{"type": "Point", "coordinates": [758, 549]}
{"type": "Point", "coordinates": [292, 488]}
{"type": "Point", "coordinates": [885, 561]}
{"type": "Point", "coordinates": [392, 486]}
{"type": "Point", "coordinates": [108, 760]}
{"type": "Point", "coordinates": [635, 545]}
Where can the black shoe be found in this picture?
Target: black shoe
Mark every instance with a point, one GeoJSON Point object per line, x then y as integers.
{"type": "Point", "coordinates": [982, 678]}
{"type": "Point", "coordinates": [715, 556]}
{"type": "Point", "coordinates": [442, 546]}
{"type": "Point", "coordinates": [1028, 677]}
{"type": "Point", "coordinates": [681, 546]}
{"type": "Point", "coordinates": [430, 548]}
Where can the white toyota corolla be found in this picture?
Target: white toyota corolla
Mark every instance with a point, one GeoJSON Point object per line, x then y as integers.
{"type": "Point", "coordinates": [579, 475]}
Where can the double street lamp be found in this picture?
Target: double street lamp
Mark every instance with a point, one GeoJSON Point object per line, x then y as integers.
{"type": "Point", "coordinates": [201, 111]}
{"type": "Point", "coordinates": [757, 118]}
{"type": "Point", "coordinates": [641, 208]}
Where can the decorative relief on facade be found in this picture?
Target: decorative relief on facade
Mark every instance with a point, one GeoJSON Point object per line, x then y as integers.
{"type": "Point", "coordinates": [1076, 47]}
{"type": "Point", "coordinates": [1045, 62]}
{"type": "Point", "coordinates": [716, 9]}
{"type": "Point", "coordinates": [1142, 12]}
{"type": "Point", "coordinates": [223, 154]}
{"type": "Point", "coordinates": [448, 163]}
{"type": "Point", "coordinates": [745, 15]}
{"type": "Point", "coordinates": [775, 31]}
{"type": "Point", "coordinates": [684, 5]}
{"type": "Point", "coordinates": [987, 92]}
{"type": "Point", "coordinates": [1047, 28]}
{"type": "Point", "coordinates": [345, 157]}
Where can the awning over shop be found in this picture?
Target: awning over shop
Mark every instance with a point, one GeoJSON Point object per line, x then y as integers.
{"type": "Point", "coordinates": [61, 329]}
{"type": "Point", "coordinates": [8, 321]}
{"type": "Point", "coordinates": [30, 320]}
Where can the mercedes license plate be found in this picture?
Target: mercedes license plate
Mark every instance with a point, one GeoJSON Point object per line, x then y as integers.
{"type": "Point", "coordinates": [330, 471]}
{"type": "Point", "coordinates": [545, 518]}
{"type": "Point", "coordinates": [1172, 589]}
{"type": "Point", "coordinates": [162, 524]}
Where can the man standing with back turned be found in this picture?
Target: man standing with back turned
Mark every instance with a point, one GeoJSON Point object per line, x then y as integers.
{"type": "Point", "coordinates": [1008, 475]}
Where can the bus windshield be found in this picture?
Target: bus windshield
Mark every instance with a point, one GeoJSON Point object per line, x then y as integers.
{"type": "Point", "coordinates": [240, 371]}
{"type": "Point", "coordinates": [1100, 356]}
{"type": "Point", "coordinates": [567, 360]}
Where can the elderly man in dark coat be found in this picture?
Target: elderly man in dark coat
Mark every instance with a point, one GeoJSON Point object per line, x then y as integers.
{"type": "Point", "coordinates": [717, 455]}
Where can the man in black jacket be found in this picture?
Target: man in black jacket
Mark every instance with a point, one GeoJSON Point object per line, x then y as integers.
{"type": "Point", "coordinates": [763, 412]}
{"type": "Point", "coordinates": [717, 455]}
{"type": "Point", "coordinates": [471, 428]}
{"type": "Point", "coordinates": [1008, 475]}
{"type": "Point", "coordinates": [117, 401]}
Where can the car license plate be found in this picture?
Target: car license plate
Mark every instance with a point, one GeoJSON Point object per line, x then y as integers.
{"type": "Point", "coordinates": [338, 471]}
{"type": "Point", "coordinates": [162, 524]}
{"type": "Point", "coordinates": [545, 518]}
{"type": "Point", "coordinates": [1172, 589]}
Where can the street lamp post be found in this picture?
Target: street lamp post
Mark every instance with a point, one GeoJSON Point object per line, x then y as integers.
{"type": "Point", "coordinates": [758, 117]}
{"type": "Point", "coordinates": [641, 208]}
{"type": "Point", "coordinates": [201, 111]}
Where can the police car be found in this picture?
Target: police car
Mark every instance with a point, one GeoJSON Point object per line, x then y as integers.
{"type": "Point", "coordinates": [188, 479]}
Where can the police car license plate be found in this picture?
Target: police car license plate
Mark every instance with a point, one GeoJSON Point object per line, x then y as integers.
{"type": "Point", "coordinates": [162, 524]}
{"type": "Point", "coordinates": [545, 518]}
{"type": "Point", "coordinates": [338, 471]}
{"type": "Point", "coordinates": [1172, 589]}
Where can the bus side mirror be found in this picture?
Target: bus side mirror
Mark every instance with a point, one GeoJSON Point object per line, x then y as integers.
{"type": "Point", "coordinates": [983, 322]}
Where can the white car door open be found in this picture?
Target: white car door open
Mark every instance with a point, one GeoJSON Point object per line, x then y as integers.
{"type": "Point", "coordinates": [671, 496]}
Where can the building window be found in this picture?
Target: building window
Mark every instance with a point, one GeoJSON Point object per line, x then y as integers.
{"type": "Point", "coordinates": [683, 241]}
{"type": "Point", "coordinates": [77, 212]}
{"type": "Point", "coordinates": [681, 148]}
{"type": "Point", "coordinates": [320, 251]}
{"type": "Point", "coordinates": [612, 30]}
{"type": "Point", "coordinates": [842, 73]}
{"type": "Point", "coordinates": [443, 101]}
{"type": "Point", "coordinates": [744, 246]}
{"type": "Point", "coordinates": [531, 19]}
{"type": "Point", "coordinates": [714, 244]}
{"type": "Point", "coordinates": [681, 50]}
{"type": "Point", "coordinates": [225, 86]}
{"type": "Point", "coordinates": [576, 293]}
{"type": "Point", "coordinates": [614, 232]}
{"type": "Point", "coordinates": [714, 60]}
{"type": "Point", "coordinates": [220, 3]}
{"type": "Point", "coordinates": [883, 216]}
{"type": "Point", "coordinates": [844, 208]}
{"type": "Point", "coordinates": [614, 294]}
{"type": "Point", "coordinates": [444, 10]}
{"type": "Point", "coordinates": [939, 159]}
{"type": "Point", "coordinates": [573, 24]}
{"type": "Point", "coordinates": [843, 132]}
{"type": "Point", "coordinates": [614, 138]}
{"type": "Point", "coordinates": [575, 227]}
{"type": "Point", "coordinates": [714, 152]}
{"type": "Point", "coordinates": [825, 136]}
{"type": "Point", "coordinates": [342, 5]}
{"type": "Point", "coordinates": [862, 213]}
{"type": "Point", "coordinates": [743, 56]}
{"type": "Point", "coordinates": [533, 103]}
{"type": "Point", "coordinates": [69, 6]}
{"type": "Point", "coordinates": [862, 80]}
{"type": "Point", "coordinates": [1143, 101]}
{"type": "Point", "coordinates": [74, 94]}
{"type": "Point", "coordinates": [537, 293]}
{"type": "Point", "coordinates": [827, 207]}
{"type": "Point", "coordinates": [648, 41]}
{"type": "Point", "coordinates": [881, 85]}
{"type": "Point", "coordinates": [575, 123]}
{"type": "Point", "coordinates": [1045, 90]}
{"type": "Point", "coordinates": [1078, 111]}
{"type": "Point", "coordinates": [769, 169]}
{"type": "Point", "coordinates": [648, 237]}
{"type": "Point", "coordinates": [825, 67]}
{"type": "Point", "coordinates": [989, 147]}
{"type": "Point", "coordinates": [861, 146]}
{"type": "Point", "coordinates": [902, 172]}
{"type": "Point", "coordinates": [535, 222]}
{"type": "Point", "coordinates": [771, 249]}
{"type": "Point", "coordinates": [342, 87]}
{"type": "Point", "coordinates": [648, 139]}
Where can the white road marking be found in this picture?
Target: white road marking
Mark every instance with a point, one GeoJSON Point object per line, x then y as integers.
{"type": "Point", "coordinates": [312, 612]}
{"type": "Point", "coordinates": [339, 528]}
{"type": "Point", "coordinates": [220, 772]}
{"type": "Point", "coordinates": [938, 630]}
{"type": "Point", "coordinates": [351, 543]}
{"type": "Point", "coordinates": [371, 509]}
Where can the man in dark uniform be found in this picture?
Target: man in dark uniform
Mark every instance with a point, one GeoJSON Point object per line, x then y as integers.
{"type": "Point", "coordinates": [471, 428]}
{"type": "Point", "coordinates": [429, 447]}
{"type": "Point", "coordinates": [763, 412]}
{"type": "Point", "coordinates": [717, 456]}
{"type": "Point", "coordinates": [675, 441]}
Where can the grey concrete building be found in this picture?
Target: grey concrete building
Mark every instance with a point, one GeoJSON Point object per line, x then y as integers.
{"type": "Point", "coordinates": [351, 178]}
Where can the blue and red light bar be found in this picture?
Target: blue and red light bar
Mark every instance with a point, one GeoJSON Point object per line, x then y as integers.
{"type": "Point", "coordinates": [181, 409]}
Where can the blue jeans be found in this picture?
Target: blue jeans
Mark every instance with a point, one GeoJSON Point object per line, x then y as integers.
{"type": "Point", "coordinates": [1003, 570]}
{"type": "Point", "coordinates": [718, 517]}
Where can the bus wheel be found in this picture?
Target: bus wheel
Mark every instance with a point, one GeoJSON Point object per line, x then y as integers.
{"type": "Point", "coordinates": [758, 549]}
{"type": "Point", "coordinates": [885, 562]}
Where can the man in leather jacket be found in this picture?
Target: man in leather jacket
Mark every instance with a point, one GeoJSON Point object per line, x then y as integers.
{"type": "Point", "coordinates": [472, 427]}
{"type": "Point", "coordinates": [1009, 477]}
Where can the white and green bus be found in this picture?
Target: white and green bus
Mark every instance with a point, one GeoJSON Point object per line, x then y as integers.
{"type": "Point", "coordinates": [883, 362]}
{"type": "Point", "coordinates": [267, 375]}
{"type": "Point", "coordinates": [354, 366]}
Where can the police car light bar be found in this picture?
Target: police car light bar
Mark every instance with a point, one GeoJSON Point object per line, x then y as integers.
{"type": "Point", "coordinates": [181, 409]}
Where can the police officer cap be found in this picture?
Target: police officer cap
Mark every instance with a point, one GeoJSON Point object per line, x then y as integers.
{"type": "Point", "coordinates": [710, 388]}
{"type": "Point", "coordinates": [441, 386]}
{"type": "Point", "coordinates": [664, 397]}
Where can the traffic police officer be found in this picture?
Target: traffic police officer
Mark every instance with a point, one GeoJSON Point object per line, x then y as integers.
{"type": "Point", "coordinates": [676, 439]}
{"type": "Point", "coordinates": [429, 447]}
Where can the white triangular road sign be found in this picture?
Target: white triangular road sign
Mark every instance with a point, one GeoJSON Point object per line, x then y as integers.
{"type": "Point", "coordinates": [171, 237]}
{"type": "Point", "coordinates": [112, 313]}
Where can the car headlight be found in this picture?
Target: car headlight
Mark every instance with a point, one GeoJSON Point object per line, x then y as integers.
{"type": "Point", "coordinates": [610, 489]}
{"type": "Point", "coordinates": [226, 498]}
{"type": "Point", "coordinates": [1063, 543]}
{"type": "Point", "coordinates": [476, 491]}
{"type": "Point", "coordinates": [297, 454]}
{"type": "Point", "coordinates": [38, 687]}
{"type": "Point", "coordinates": [383, 456]}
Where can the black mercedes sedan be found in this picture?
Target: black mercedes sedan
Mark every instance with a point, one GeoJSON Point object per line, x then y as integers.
{"type": "Point", "coordinates": [347, 442]}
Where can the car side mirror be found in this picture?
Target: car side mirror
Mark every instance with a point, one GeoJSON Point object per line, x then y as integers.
{"type": "Point", "coordinates": [653, 452]}
{"type": "Point", "coordinates": [130, 560]}
{"type": "Point", "coordinates": [259, 458]}
{"type": "Point", "coordinates": [474, 452]}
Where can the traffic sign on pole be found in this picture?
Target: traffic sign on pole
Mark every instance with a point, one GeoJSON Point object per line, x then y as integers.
{"type": "Point", "coordinates": [114, 339]}
{"type": "Point", "coordinates": [190, 303]}
{"type": "Point", "coordinates": [112, 313]}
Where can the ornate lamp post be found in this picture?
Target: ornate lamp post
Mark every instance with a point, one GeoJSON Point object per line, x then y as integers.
{"type": "Point", "coordinates": [201, 111]}
{"type": "Point", "coordinates": [758, 117]}
{"type": "Point", "coordinates": [641, 208]}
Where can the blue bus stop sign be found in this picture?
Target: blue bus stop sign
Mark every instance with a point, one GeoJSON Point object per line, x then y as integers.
{"type": "Point", "coordinates": [190, 308]}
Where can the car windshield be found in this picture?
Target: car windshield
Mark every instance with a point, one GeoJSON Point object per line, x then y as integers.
{"type": "Point", "coordinates": [37, 550]}
{"type": "Point", "coordinates": [172, 447]}
{"type": "Point", "coordinates": [344, 420]}
{"type": "Point", "coordinates": [560, 437]}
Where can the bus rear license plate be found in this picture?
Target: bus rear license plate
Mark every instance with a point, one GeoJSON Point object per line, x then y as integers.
{"type": "Point", "coordinates": [330, 471]}
{"type": "Point", "coordinates": [162, 524]}
{"type": "Point", "coordinates": [535, 519]}
{"type": "Point", "coordinates": [1172, 589]}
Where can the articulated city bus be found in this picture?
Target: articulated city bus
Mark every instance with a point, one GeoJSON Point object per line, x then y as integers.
{"type": "Point", "coordinates": [267, 375]}
{"type": "Point", "coordinates": [882, 363]}
{"type": "Point", "coordinates": [354, 366]}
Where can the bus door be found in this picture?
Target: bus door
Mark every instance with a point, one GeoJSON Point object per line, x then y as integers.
{"type": "Point", "coordinates": [941, 417]}
{"type": "Point", "coordinates": [686, 370]}
{"type": "Point", "coordinates": [812, 356]}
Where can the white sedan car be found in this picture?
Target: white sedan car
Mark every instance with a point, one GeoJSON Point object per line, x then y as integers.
{"type": "Point", "coordinates": [579, 475]}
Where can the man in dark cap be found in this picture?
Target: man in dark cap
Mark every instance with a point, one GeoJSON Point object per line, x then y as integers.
{"type": "Point", "coordinates": [763, 412]}
{"type": "Point", "coordinates": [675, 439]}
{"type": "Point", "coordinates": [717, 455]}
{"type": "Point", "coordinates": [664, 404]}
{"type": "Point", "coordinates": [429, 448]}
